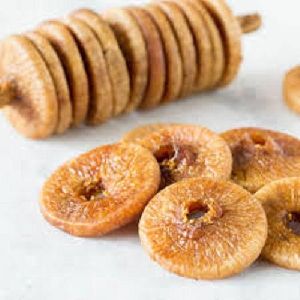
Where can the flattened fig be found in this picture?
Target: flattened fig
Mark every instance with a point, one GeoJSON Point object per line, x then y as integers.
{"type": "Point", "coordinates": [101, 190]}
{"type": "Point", "coordinates": [185, 151]}
{"type": "Point", "coordinates": [261, 156]}
{"type": "Point", "coordinates": [203, 228]}
{"type": "Point", "coordinates": [281, 201]}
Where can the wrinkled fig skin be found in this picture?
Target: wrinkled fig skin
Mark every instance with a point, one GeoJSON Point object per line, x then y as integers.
{"type": "Point", "coordinates": [203, 228]}
{"type": "Point", "coordinates": [281, 201]}
{"type": "Point", "coordinates": [261, 156]}
{"type": "Point", "coordinates": [101, 190]}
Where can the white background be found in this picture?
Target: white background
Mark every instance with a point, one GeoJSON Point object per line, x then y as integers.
{"type": "Point", "coordinates": [39, 262]}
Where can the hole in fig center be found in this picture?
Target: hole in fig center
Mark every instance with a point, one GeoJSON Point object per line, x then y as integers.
{"type": "Point", "coordinates": [258, 140]}
{"type": "Point", "coordinates": [169, 156]}
{"type": "Point", "coordinates": [196, 211]}
{"type": "Point", "coordinates": [293, 222]}
{"type": "Point", "coordinates": [95, 192]}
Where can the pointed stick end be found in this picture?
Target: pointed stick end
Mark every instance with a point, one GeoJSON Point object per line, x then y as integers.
{"type": "Point", "coordinates": [250, 23]}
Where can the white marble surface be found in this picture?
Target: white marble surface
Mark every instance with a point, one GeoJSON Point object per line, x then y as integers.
{"type": "Point", "coordinates": [39, 262]}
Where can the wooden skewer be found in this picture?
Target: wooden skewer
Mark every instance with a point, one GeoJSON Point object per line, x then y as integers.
{"type": "Point", "coordinates": [250, 23]}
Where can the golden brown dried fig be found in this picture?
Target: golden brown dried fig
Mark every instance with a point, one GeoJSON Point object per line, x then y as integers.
{"type": "Point", "coordinates": [281, 201]}
{"type": "Point", "coordinates": [101, 190]}
{"type": "Point", "coordinates": [133, 46]}
{"type": "Point", "coordinates": [115, 60]}
{"type": "Point", "coordinates": [64, 44]}
{"type": "Point", "coordinates": [185, 151]}
{"type": "Point", "coordinates": [203, 228]}
{"type": "Point", "coordinates": [58, 75]}
{"type": "Point", "coordinates": [27, 90]}
{"type": "Point", "coordinates": [261, 156]}
{"type": "Point", "coordinates": [172, 52]}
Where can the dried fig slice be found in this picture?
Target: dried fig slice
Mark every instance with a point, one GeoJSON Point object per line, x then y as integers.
{"type": "Point", "coordinates": [174, 73]}
{"type": "Point", "coordinates": [156, 58]}
{"type": "Point", "coordinates": [281, 201]}
{"type": "Point", "coordinates": [115, 61]}
{"type": "Point", "coordinates": [203, 228]}
{"type": "Point", "coordinates": [218, 66]}
{"type": "Point", "coordinates": [101, 94]}
{"type": "Point", "coordinates": [64, 44]}
{"type": "Point", "coordinates": [261, 156]}
{"type": "Point", "coordinates": [100, 190]}
{"type": "Point", "coordinates": [185, 151]}
{"type": "Point", "coordinates": [291, 89]}
{"type": "Point", "coordinates": [132, 44]}
{"type": "Point", "coordinates": [140, 132]}
{"type": "Point", "coordinates": [202, 44]}
{"type": "Point", "coordinates": [27, 90]}
{"type": "Point", "coordinates": [59, 79]}
{"type": "Point", "coordinates": [185, 41]}
{"type": "Point", "coordinates": [230, 30]}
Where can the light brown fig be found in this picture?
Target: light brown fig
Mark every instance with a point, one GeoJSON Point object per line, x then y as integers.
{"type": "Point", "coordinates": [261, 156]}
{"type": "Point", "coordinates": [58, 75]}
{"type": "Point", "coordinates": [185, 42]}
{"type": "Point", "coordinates": [115, 60]}
{"type": "Point", "coordinates": [291, 89]}
{"type": "Point", "coordinates": [156, 58]}
{"type": "Point", "coordinates": [133, 46]}
{"type": "Point", "coordinates": [185, 151]}
{"type": "Point", "coordinates": [281, 201]}
{"type": "Point", "coordinates": [203, 228]}
{"type": "Point", "coordinates": [101, 93]}
{"type": "Point", "coordinates": [65, 45]}
{"type": "Point", "coordinates": [27, 90]}
{"type": "Point", "coordinates": [231, 32]}
{"type": "Point", "coordinates": [101, 190]}
{"type": "Point", "coordinates": [174, 74]}
{"type": "Point", "coordinates": [202, 43]}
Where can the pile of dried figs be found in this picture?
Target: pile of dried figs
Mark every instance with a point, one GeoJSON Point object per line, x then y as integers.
{"type": "Point", "coordinates": [209, 205]}
{"type": "Point", "coordinates": [90, 67]}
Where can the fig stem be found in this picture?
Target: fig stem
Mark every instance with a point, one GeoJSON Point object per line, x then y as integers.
{"type": "Point", "coordinates": [7, 92]}
{"type": "Point", "coordinates": [250, 22]}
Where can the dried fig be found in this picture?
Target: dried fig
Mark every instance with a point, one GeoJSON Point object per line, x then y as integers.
{"type": "Point", "coordinates": [261, 156]}
{"type": "Point", "coordinates": [281, 201]}
{"type": "Point", "coordinates": [133, 46]}
{"type": "Point", "coordinates": [156, 58]}
{"type": "Point", "coordinates": [203, 228]}
{"type": "Point", "coordinates": [184, 151]}
{"type": "Point", "coordinates": [185, 41]}
{"type": "Point", "coordinates": [291, 89]}
{"type": "Point", "coordinates": [101, 94]}
{"type": "Point", "coordinates": [230, 30]}
{"type": "Point", "coordinates": [115, 60]}
{"type": "Point", "coordinates": [64, 44]}
{"type": "Point", "coordinates": [27, 90]}
{"type": "Point", "coordinates": [174, 73]}
{"type": "Point", "coordinates": [101, 190]}
{"type": "Point", "coordinates": [56, 70]}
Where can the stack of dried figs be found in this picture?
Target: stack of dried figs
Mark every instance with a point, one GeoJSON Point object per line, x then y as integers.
{"type": "Point", "coordinates": [210, 204]}
{"type": "Point", "coordinates": [90, 67]}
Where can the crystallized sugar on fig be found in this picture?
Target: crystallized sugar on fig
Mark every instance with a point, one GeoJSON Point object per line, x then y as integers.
{"type": "Point", "coordinates": [281, 201]}
{"type": "Point", "coordinates": [101, 190]}
{"type": "Point", "coordinates": [203, 228]}
{"type": "Point", "coordinates": [185, 151]}
{"type": "Point", "coordinates": [261, 156]}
